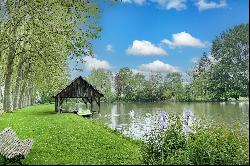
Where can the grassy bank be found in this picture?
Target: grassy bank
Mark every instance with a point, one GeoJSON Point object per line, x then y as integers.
{"type": "Point", "coordinates": [68, 138]}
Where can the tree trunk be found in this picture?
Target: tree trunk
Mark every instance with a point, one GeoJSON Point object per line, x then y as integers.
{"type": "Point", "coordinates": [25, 98]}
{"type": "Point", "coordinates": [1, 69]}
{"type": "Point", "coordinates": [20, 102]}
{"type": "Point", "coordinates": [1, 57]}
{"type": "Point", "coordinates": [18, 80]}
{"type": "Point", "coordinates": [8, 80]}
{"type": "Point", "coordinates": [24, 85]}
{"type": "Point", "coordinates": [1, 97]}
{"type": "Point", "coordinates": [1, 77]}
{"type": "Point", "coordinates": [29, 96]}
{"type": "Point", "coordinates": [32, 97]}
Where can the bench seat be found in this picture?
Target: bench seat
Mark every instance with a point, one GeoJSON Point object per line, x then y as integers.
{"type": "Point", "coordinates": [13, 149]}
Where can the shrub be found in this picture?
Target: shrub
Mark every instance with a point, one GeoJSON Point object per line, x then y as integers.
{"type": "Point", "coordinates": [165, 145]}
{"type": "Point", "coordinates": [217, 144]}
{"type": "Point", "coordinates": [203, 143]}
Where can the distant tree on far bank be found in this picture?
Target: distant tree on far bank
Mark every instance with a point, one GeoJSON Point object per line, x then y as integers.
{"type": "Point", "coordinates": [227, 74]}
{"type": "Point", "coordinates": [102, 80]}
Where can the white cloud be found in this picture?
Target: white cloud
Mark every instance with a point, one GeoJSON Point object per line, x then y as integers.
{"type": "Point", "coordinates": [204, 4]}
{"type": "Point", "coordinates": [145, 48]}
{"type": "Point", "coordinates": [92, 63]}
{"type": "Point", "coordinates": [166, 4]}
{"type": "Point", "coordinates": [136, 71]}
{"type": "Point", "coordinates": [211, 58]}
{"type": "Point", "coordinates": [109, 48]}
{"type": "Point", "coordinates": [172, 4]}
{"type": "Point", "coordinates": [194, 60]}
{"type": "Point", "coordinates": [184, 39]}
{"type": "Point", "coordinates": [140, 2]}
{"type": "Point", "coordinates": [181, 4]}
{"type": "Point", "coordinates": [176, 4]}
{"type": "Point", "coordinates": [157, 66]}
{"type": "Point", "coordinates": [126, 1]}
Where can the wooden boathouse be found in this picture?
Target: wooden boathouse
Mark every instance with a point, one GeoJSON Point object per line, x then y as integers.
{"type": "Point", "coordinates": [78, 88]}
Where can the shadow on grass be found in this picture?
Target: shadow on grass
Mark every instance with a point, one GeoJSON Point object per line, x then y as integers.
{"type": "Point", "coordinates": [51, 113]}
{"type": "Point", "coordinates": [45, 113]}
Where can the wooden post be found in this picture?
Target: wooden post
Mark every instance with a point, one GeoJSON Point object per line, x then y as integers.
{"type": "Point", "coordinates": [91, 104]}
{"type": "Point", "coordinates": [86, 102]}
{"type": "Point", "coordinates": [99, 105]}
{"type": "Point", "coordinates": [58, 104]}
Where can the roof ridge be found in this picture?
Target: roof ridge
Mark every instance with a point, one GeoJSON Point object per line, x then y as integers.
{"type": "Point", "coordinates": [79, 77]}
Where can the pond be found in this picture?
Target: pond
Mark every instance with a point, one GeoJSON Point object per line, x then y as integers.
{"type": "Point", "coordinates": [135, 119]}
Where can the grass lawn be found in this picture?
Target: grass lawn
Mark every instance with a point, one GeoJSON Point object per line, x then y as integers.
{"type": "Point", "coordinates": [68, 138]}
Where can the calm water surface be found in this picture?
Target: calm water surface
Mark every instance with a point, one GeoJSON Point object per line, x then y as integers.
{"type": "Point", "coordinates": [135, 119]}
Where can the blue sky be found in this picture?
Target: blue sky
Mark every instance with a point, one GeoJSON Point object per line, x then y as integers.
{"type": "Point", "coordinates": [161, 35]}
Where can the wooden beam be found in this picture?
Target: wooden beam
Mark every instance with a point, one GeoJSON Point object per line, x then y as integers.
{"type": "Point", "coordinates": [58, 105]}
{"type": "Point", "coordinates": [96, 100]}
{"type": "Point", "coordinates": [61, 101]}
{"type": "Point", "coordinates": [99, 105]}
{"type": "Point", "coordinates": [86, 102]}
{"type": "Point", "coordinates": [89, 99]}
{"type": "Point", "coordinates": [91, 104]}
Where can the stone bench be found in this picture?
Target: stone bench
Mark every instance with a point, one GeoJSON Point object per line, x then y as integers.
{"type": "Point", "coordinates": [13, 149]}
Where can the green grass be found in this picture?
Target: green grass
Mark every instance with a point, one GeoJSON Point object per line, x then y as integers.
{"type": "Point", "coordinates": [69, 138]}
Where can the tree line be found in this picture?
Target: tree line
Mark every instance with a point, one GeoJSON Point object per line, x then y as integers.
{"type": "Point", "coordinates": [219, 75]}
{"type": "Point", "coordinates": [37, 38]}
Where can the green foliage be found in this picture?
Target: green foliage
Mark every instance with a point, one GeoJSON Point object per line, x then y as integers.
{"type": "Point", "coordinates": [131, 86]}
{"type": "Point", "coordinates": [46, 98]}
{"type": "Point", "coordinates": [69, 139]}
{"type": "Point", "coordinates": [210, 144]}
{"type": "Point", "coordinates": [123, 80]}
{"type": "Point", "coordinates": [217, 145]}
{"type": "Point", "coordinates": [173, 87]}
{"type": "Point", "coordinates": [37, 38]}
{"type": "Point", "coordinates": [166, 146]}
{"type": "Point", "coordinates": [102, 80]}
{"type": "Point", "coordinates": [187, 93]}
{"type": "Point", "coordinates": [225, 74]}
{"type": "Point", "coordinates": [138, 90]}
{"type": "Point", "coordinates": [154, 88]}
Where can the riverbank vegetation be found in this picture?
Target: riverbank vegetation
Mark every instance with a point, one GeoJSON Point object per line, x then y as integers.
{"type": "Point", "coordinates": [201, 143]}
{"type": "Point", "coordinates": [69, 138]}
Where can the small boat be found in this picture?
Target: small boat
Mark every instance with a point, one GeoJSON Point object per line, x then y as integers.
{"type": "Point", "coordinates": [85, 112]}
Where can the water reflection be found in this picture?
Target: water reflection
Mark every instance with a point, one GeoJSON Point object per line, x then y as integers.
{"type": "Point", "coordinates": [136, 119]}
{"type": "Point", "coordinates": [114, 117]}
